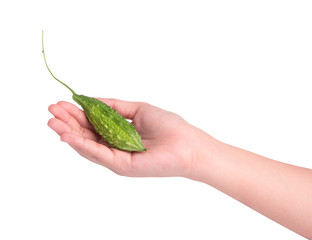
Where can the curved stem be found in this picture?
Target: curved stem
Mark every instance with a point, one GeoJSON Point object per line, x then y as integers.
{"type": "Point", "coordinates": [50, 70]}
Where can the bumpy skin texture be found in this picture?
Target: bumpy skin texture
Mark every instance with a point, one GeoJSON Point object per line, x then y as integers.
{"type": "Point", "coordinates": [113, 127]}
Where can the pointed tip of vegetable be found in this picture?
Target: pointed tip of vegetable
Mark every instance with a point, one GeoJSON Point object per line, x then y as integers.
{"type": "Point", "coordinates": [142, 149]}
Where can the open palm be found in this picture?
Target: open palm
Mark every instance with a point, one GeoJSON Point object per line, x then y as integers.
{"type": "Point", "coordinates": [169, 139]}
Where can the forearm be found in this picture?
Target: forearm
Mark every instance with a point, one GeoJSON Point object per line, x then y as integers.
{"type": "Point", "coordinates": [277, 190]}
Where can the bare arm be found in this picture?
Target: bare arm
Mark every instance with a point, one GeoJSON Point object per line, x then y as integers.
{"type": "Point", "coordinates": [280, 191]}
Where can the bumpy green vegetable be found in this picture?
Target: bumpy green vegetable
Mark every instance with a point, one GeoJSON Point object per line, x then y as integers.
{"type": "Point", "coordinates": [113, 127]}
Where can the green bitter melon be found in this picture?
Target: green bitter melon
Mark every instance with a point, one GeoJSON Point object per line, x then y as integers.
{"type": "Point", "coordinates": [114, 128]}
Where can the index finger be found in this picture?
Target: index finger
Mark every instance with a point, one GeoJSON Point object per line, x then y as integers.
{"type": "Point", "coordinates": [76, 113]}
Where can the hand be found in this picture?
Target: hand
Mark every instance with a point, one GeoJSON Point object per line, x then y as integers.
{"type": "Point", "coordinates": [175, 148]}
{"type": "Point", "coordinates": [170, 141]}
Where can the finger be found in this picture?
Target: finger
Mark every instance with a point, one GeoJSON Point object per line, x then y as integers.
{"type": "Point", "coordinates": [58, 126]}
{"type": "Point", "coordinates": [70, 124]}
{"type": "Point", "coordinates": [125, 108]}
{"type": "Point", "coordinates": [61, 127]}
{"type": "Point", "coordinates": [64, 116]}
{"type": "Point", "coordinates": [91, 150]}
{"type": "Point", "coordinates": [76, 113]}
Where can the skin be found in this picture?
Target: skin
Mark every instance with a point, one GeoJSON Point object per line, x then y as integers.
{"type": "Point", "coordinates": [280, 191]}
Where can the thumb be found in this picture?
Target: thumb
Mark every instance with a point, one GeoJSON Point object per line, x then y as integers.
{"type": "Point", "coordinates": [124, 108]}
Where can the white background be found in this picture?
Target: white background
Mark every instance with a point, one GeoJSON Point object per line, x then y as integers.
{"type": "Point", "coordinates": [240, 70]}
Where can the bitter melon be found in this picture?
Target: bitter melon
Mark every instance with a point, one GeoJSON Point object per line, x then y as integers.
{"type": "Point", "coordinates": [114, 128]}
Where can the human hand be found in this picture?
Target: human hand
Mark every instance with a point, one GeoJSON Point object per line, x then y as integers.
{"type": "Point", "coordinates": [172, 144]}
{"type": "Point", "coordinates": [176, 148]}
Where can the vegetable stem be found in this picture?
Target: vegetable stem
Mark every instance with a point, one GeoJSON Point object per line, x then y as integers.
{"type": "Point", "coordinates": [50, 70]}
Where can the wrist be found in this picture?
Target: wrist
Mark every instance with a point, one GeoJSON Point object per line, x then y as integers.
{"type": "Point", "coordinates": [206, 151]}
